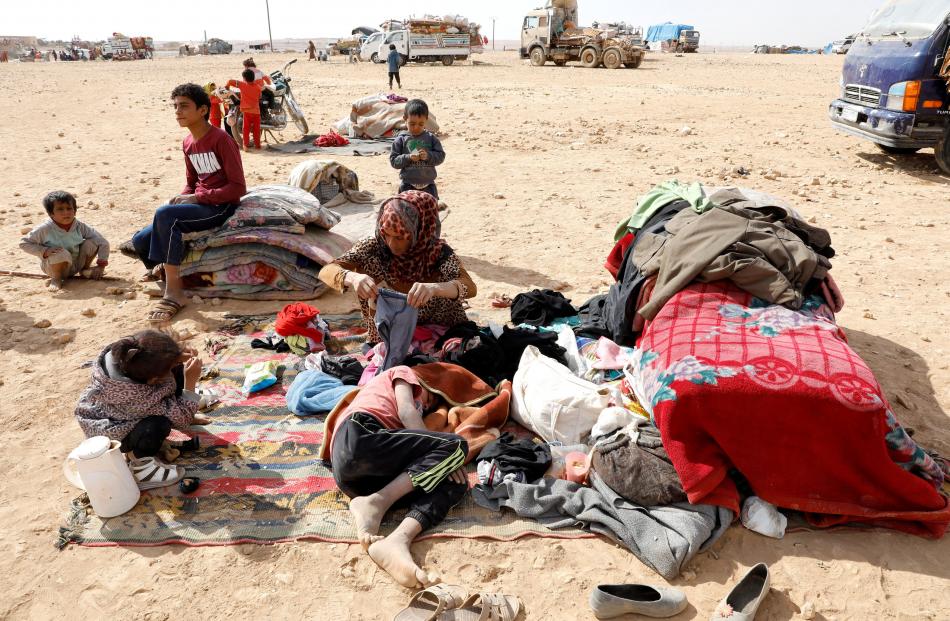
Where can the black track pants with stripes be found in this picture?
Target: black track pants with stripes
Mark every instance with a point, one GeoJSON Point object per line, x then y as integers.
{"type": "Point", "coordinates": [367, 456]}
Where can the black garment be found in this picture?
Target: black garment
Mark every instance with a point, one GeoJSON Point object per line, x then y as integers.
{"type": "Point", "coordinates": [612, 316]}
{"type": "Point", "coordinates": [347, 368]}
{"type": "Point", "coordinates": [145, 439]}
{"type": "Point", "coordinates": [593, 316]}
{"type": "Point", "coordinates": [540, 307]}
{"type": "Point", "coordinates": [366, 456]}
{"type": "Point", "coordinates": [513, 455]}
{"type": "Point", "coordinates": [394, 74]}
{"type": "Point", "coordinates": [640, 470]}
{"type": "Point", "coordinates": [272, 343]}
{"type": "Point", "coordinates": [494, 360]}
{"type": "Point", "coordinates": [514, 341]}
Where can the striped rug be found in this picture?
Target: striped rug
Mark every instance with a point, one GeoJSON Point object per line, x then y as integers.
{"type": "Point", "coordinates": [261, 480]}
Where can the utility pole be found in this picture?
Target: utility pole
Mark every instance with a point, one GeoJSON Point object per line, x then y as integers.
{"type": "Point", "coordinates": [269, 35]}
{"type": "Point", "coordinates": [493, 34]}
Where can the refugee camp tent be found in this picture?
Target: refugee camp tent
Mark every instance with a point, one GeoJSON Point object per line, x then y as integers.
{"type": "Point", "coordinates": [666, 32]}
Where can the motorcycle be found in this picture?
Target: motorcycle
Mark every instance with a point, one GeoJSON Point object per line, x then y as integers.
{"type": "Point", "coordinates": [277, 104]}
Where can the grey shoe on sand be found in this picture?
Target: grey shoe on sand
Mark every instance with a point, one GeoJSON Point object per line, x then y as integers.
{"type": "Point", "coordinates": [613, 600]}
{"type": "Point", "coordinates": [743, 600]}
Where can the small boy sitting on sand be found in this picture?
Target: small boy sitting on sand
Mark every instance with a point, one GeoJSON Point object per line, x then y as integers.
{"type": "Point", "coordinates": [65, 245]}
{"type": "Point", "coordinates": [417, 152]}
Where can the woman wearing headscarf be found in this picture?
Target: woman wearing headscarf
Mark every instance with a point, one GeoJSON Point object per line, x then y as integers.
{"type": "Point", "coordinates": [407, 254]}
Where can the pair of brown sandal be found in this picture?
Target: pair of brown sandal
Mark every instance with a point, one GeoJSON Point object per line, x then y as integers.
{"type": "Point", "coordinates": [446, 602]}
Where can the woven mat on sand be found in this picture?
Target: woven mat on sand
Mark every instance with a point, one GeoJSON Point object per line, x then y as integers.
{"type": "Point", "coordinates": [261, 480]}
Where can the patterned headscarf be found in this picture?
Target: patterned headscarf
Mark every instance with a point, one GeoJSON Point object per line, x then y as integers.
{"type": "Point", "coordinates": [415, 215]}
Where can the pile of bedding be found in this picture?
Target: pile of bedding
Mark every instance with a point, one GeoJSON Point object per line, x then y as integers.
{"type": "Point", "coordinates": [272, 248]}
{"type": "Point", "coordinates": [730, 303]}
{"type": "Point", "coordinates": [378, 116]}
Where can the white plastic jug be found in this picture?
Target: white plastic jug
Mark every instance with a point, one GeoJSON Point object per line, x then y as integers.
{"type": "Point", "coordinates": [99, 467]}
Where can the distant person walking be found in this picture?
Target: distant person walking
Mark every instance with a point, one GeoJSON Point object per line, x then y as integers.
{"type": "Point", "coordinates": [394, 60]}
{"type": "Point", "coordinates": [312, 51]}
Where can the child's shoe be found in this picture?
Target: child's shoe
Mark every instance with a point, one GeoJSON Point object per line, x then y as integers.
{"type": "Point", "coordinates": [150, 473]}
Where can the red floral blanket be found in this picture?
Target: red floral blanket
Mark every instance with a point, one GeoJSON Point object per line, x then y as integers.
{"type": "Point", "coordinates": [780, 396]}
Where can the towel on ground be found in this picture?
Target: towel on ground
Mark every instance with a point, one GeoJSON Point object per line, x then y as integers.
{"type": "Point", "coordinates": [315, 392]}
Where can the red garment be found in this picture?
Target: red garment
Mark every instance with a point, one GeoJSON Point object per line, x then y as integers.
{"type": "Point", "coordinates": [782, 398]}
{"type": "Point", "coordinates": [615, 258]}
{"type": "Point", "coordinates": [250, 94]}
{"type": "Point", "coordinates": [252, 123]}
{"type": "Point", "coordinates": [213, 169]}
{"type": "Point", "coordinates": [215, 117]}
{"type": "Point", "coordinates": [293, 319]}
{"type": "Point", "coordinates": [332, 139]}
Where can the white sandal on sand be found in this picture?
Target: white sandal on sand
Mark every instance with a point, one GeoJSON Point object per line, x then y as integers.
{"type": "Point", "coordinates": [207, 398]}
{"type": "Point", "coordinates": [150, 473]}
{"type": "Point", "coordinates": [485, 607]}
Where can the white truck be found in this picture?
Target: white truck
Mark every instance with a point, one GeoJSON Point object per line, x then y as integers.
{"type": "Point", "coordinates": [369, 51]}
{"type": "Point", "coordinates": [427, 47]}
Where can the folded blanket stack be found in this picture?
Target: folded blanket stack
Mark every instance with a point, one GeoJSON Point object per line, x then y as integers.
{"type": "Point", "coordinates": [272, 248]}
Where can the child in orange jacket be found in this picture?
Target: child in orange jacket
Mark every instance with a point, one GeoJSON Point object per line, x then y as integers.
{"type": "Point", "coordinates": [250, 106]}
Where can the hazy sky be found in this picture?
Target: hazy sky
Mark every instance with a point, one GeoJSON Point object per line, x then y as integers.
{"type": "Point", "coordinates": [723, 22]}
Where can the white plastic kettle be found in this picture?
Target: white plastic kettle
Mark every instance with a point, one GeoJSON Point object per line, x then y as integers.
{"type": "Point", "coordinates": [99, 467]}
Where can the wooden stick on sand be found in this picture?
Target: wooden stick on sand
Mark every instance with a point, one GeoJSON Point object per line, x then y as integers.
{"type": "Point", "coordinates": [41, 276]}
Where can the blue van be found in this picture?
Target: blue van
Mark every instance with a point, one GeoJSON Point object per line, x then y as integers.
{"type": "Point", "coordinates": [892, 92]}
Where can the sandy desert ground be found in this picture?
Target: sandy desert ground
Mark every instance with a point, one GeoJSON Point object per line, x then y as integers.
{"type": "Point", "coordinates": [566, 151]}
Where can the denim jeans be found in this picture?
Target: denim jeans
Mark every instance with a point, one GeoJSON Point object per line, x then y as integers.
{"type": "Point", "coordinates": [161, 242]}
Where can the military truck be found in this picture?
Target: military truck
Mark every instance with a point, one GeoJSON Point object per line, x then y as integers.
{"type": "Point", "coordinates": [679, 38]}
{"type": "Point", "coordinates": [551, 34]}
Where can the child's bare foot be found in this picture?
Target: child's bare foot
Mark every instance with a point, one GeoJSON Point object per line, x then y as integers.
{"type": "Point", "coordinates": [367, 515]}
{"type": "Point", "coordinates": [56, 285]}
{"type": "Point", "coordinates": [393, 556]}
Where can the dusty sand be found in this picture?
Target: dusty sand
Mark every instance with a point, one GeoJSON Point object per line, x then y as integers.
{"type": "Point", "coordinates": [568, 150]}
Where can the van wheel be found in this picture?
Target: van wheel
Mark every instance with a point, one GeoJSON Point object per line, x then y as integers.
{"type": "Point", "coordinates": [374, 58]}
{"type": "Point", "coordinates": [538, 57]}
{"type": "Point", "coordinates": [897, 150]}
{"type": "Point", "coordinates": [403, 59]}
{"type": "Point", "coordinates": [448, 60]}
{"type": "Point", "coordinates": [589, 58]}
{"type": "Point", "coordinates": [942, 152]}
{"type": "Point", "coordinates": [613, 59]}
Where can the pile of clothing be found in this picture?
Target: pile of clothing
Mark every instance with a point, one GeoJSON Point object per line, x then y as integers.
{"type": "Point", "coordinates": [378, 116]}
{"type": "Point", "coordinates": [330, 139]}
{"type": "Point", "coordinates": [728, 298]}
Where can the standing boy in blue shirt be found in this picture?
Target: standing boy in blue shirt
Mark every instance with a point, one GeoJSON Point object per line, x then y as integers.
{"type": "Point", "coordinates": [393, 60]}
{"type": "Point", "coordinates": [416, 152]}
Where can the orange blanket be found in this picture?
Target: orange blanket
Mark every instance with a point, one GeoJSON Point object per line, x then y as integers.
{"type": "Point", "coordinates": [460, 412]}
{"type": "Point", "coordinates": [470, 407]}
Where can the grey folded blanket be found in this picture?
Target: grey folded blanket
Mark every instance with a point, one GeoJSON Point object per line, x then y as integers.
{"type": "Point", "coordinates": [663, 538]}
